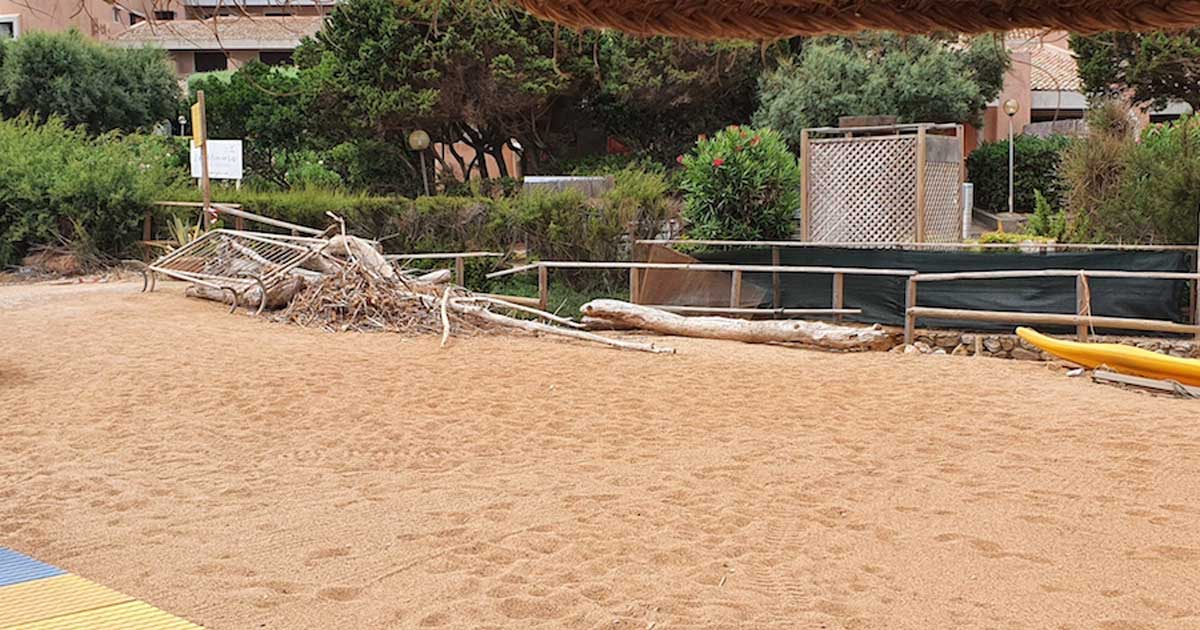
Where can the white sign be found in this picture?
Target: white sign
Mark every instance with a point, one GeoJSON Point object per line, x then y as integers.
{"type": "Point", "coordinates": [224, 160]}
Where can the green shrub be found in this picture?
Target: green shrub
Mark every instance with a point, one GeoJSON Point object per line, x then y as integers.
{"type": "Point", "coordinates": [640, 200]}
{"type": "Point", "coordinates": [60, 183]}
{"type": "Point", "coordinates": [68, 76]}
{"type": "Point", "coordinates": [610, 164]}
{"type": "Point", "coordinates": [447, 224]}
{"type": "Point", "coordinates": [306, 169]}
{"type": "Point", "coordinates": [1035, 168]}
{"type": "Point", "coordinates": [1047, 221]}
{"type": "Point", "coordinates": [559, 226]}
{"type": "Point", "coordinates": [742, 184]}
{"type": "Point", "coordinates": [1119, 190]}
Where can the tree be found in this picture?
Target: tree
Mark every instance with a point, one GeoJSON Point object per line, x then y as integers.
{"type": "Point", "coordinates": [85, 83]}
{"type": "Point", "coordinates": [1155, 68]}
{"type": "Point", "coordinates": [469, 71]}
{"type": "Point", "coordinates": [262, 105]}
{"type": "Point", "coordinates": [916, 78]}
{"type": "Point", "coordinates": [658, 93]}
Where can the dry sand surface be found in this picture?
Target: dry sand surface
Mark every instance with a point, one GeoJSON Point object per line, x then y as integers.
{"type": "Point", "coordinates": [250, 475]}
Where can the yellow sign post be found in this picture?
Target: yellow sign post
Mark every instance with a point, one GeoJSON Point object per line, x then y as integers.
{"type": "Point", "coordinates": [199, 138]}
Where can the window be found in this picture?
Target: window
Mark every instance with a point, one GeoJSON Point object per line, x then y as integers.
{"type": "Point", "coordinates": [278, 14]}
{"type": "Point", "coordinates": [211, 61]}
{"type": "Point", "coordinates": [134, 19]}
{"type": "Point", "coordinates": [164, 16]}
{"type": "Point", "coordinates": [276, 57]}
{"type": "Point", "coordinates": [10, 27]}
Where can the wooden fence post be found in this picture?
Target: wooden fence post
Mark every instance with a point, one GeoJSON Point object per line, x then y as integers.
{"type": "Point", "coordinates": [148, 226]}
{"type": "Point", "coordinates": [635, 286]}
{"type": "Point", "coordinates": [839, 294]}
{"type": "Point", "coordinates": [910, 319]}
{"type": "Point", "coordinates": [921, 140]}
{"type": "Point", "coordinates": [735, 290]}
{"type": "Point", "coordinates": [543, 287]}
{"type": "Point", "coordinates": [1083, 306]}
{"type": "Point", "coordinates": [805, 187]}
{"type": "Point", "coordinates": [460, 271]}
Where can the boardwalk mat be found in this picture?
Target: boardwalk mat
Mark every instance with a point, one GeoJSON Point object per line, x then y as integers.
{"type": "Point", "coordinates": [36, 595]}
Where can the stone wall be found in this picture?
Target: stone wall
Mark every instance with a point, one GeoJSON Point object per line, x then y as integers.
{"type": "Point", "coordinates": [1013, 347]}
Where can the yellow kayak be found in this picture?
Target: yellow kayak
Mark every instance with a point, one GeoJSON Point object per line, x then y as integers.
{"type": "Point", "coordinates": [1118, 358]}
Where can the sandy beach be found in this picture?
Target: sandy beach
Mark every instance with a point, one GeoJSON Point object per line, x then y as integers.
{"type": "Point", "coordinates": [243, 474]}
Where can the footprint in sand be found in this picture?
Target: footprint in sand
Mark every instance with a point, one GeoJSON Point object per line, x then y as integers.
{"type": "Point", "coordinates": [339, 593]}
{"type": "Point", "coordinates": [325, 554]}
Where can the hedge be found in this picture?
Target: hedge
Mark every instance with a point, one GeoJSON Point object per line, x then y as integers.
{"type": "Point", "coordinates": [550, 225]}
{"type": "Point", "coordinates": [1036, 162]}
{"type": "Point", "coordinates": [60, 185]}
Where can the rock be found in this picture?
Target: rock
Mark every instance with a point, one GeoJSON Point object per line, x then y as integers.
{"type": "Point", "coordinates": [899, 349]}
{"type": "Point", "coordinates": [939, 351]}
{"type": "Point", "coordinates": [1007, 343]}
{"type": "Point", "coordinates": [968, 339]}
{"type": "Point", "coordinates": [922, 347]}
{"type": "Point", "coordinates": [1021, 354]}
{"type": "Point", "coordinates": [961, 351]}
{"type": "Point", "coordinates": [947, 340]}
{"type": "Point", "coordinates": [991, 344]}
{"type": "Point", "coordinates": [911, 349]}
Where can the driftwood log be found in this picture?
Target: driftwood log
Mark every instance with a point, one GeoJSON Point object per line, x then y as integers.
{"type": "Point", "coordinates": [278, 294]}
{"type": "Point", "coordinates": [362, 252]}
{"type": "Point", "coordinates": [819, 334]}
{"type": "Point", "coordinates": [532, 326]}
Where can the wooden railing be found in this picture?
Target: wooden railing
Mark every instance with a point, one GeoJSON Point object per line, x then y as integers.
{"type": "Point", "coordinates": [1082, 319]}
{"type": "Point", "coordinates": [637, 269]}
{"type": "Point", "coordinates": [460, 260]}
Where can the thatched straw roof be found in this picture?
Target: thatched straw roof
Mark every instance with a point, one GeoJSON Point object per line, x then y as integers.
{"type": "Point", "coordinates": [772, 19]}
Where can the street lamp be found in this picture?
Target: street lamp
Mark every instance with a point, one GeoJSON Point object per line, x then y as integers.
{"type": "Point", "coordinates": [182, 120]}
{"type": "Point", "coordinates": [419, 141]}
{"type": "Point", "coordinates": [1011, 107]}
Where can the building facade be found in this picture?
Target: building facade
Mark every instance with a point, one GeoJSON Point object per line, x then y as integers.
{"type": "Point", "coordinates": [198, 35]}
{"type": "Point", "coordinates": [223, 42]}
{"type": "Point", "coordinates": [99, 19]}
{"type": "Point", "coordinates": [1044, 81]}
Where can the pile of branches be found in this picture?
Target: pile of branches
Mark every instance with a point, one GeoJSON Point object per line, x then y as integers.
{"type": "Point", "coordinates": [349, 298]}
{"type": "Point", "coordinates": [356, 297]}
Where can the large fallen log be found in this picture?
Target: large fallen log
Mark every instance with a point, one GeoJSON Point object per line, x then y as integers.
{"type": "Point", "coordinates": [819, 334]}
{"type": "Point", "coordinates": [278, 295]}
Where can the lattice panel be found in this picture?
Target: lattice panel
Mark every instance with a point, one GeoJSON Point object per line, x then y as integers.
{"type": "Point", "coordinates": [943, 213]}
{"type": "Point", "coordinates": [863, 189]}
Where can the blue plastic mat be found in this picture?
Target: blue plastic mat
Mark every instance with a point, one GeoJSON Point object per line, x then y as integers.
{"type": "Point", "coordinates": [17, 567]}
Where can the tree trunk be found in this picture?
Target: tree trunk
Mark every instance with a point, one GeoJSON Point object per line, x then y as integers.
{"type": "Point", "coordinates": [819, 334]}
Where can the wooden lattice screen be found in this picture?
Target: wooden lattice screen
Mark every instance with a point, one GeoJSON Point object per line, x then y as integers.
{"type": "Point", "coordinates": [862, 186]}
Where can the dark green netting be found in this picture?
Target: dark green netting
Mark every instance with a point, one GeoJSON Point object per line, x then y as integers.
{"type": "Point", "coordinates": [882, 298]}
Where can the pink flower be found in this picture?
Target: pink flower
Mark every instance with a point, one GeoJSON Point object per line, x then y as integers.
{"type": "Point", "coordinates": [679, 158]}
{"type": "Point", "coordinates": [755, 140]}
{"type": "Point", "coordinates": [701, 138]}
{"type": "Point", "coordinates": [718, 162]}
